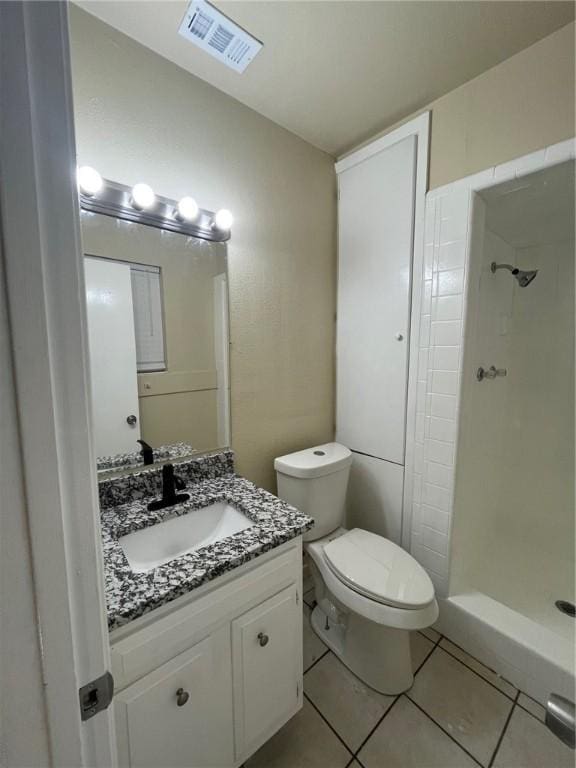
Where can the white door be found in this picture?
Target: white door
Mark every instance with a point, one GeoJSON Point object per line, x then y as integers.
{"type": "Point", "coordinates": [376, 222]}
{"type": "Point", "coordinates": [112, 344]}
{"type": "Point", "coordinates": [267, 661]}
{"type": "Point", "coordinates": [180, 715]}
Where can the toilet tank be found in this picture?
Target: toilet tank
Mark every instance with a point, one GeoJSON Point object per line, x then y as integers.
{"type": "Point", "coordinates": [315, 481]}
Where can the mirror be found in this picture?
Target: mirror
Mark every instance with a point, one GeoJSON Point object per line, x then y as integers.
{"type": "Point", "coordinates": [157, 304]}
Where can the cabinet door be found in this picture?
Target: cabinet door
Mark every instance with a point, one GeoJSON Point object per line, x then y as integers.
{"type": "Point", "coordinates": [267, 663]}
{"type": "Point", "coordinates": [375, 223]}
{"type": "Point", "coordinates": [157, 727]}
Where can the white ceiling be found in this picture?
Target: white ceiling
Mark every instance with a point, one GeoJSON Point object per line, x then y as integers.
{"type": "Point", "coordinates": [336, 73]}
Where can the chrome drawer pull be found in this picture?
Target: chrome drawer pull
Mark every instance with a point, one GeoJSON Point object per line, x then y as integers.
{"type": "Point", "coordinates": [182, 697]}
{"type": "Point", "coordinates": [263, 639]}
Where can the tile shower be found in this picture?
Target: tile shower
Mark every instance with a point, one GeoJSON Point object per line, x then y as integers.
{"type": "Point", "coordinates": [492, 493]}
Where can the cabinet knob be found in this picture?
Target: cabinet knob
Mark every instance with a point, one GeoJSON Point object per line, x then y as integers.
{"type": "Point", "coordinates": [131, 420]}
{"type": "Point", "coordinates": [263, 639]}
{"type": "Point", "coordinates": [182, 697]}
{"type": "Point", "coordinates": [399, 336]}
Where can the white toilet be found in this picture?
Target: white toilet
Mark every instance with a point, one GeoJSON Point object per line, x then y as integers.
{"type": "Point", "coordinates": [370, 592]}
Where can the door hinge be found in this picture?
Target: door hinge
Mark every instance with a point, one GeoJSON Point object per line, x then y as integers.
{"type": "Point", "coordinates": [297, 598]}
{"type": "Point", "coordinates": [96, 696]}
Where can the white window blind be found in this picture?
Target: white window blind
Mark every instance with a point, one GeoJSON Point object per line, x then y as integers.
{"type": "Point", "coordinates": [148, 321]}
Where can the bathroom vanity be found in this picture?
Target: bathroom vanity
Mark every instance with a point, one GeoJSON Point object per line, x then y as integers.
{"type": "Point", "coordinates": [203, 570]}
{"type": "Point", "coordinates": [206, 647]}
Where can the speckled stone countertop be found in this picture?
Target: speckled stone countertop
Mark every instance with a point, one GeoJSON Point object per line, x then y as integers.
{"type": "Point", "coordinates": [130, 594]}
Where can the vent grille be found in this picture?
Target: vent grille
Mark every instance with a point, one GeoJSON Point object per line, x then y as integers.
{"type": "Point", "coordinates": [216, 34]}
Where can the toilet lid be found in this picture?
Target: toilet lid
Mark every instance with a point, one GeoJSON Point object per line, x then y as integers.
{"type": "Point", "coordinates": [379, 569]}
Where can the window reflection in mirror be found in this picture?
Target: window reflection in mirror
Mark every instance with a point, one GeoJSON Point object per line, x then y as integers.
{"type": "Point", "coordinates": [157, 305]}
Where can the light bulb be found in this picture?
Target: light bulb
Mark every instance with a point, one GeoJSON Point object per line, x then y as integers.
{"type": "Point", "coordinates": [223, 219]}
{"type": "Point", "coordinates": [143, 197]}
{"type": "Point", "coordinates": [89, 180]}
{"type": "Point", "coordinates": [187, 209]}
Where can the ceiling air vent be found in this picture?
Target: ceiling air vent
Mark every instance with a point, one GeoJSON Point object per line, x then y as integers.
{"type": "Point", "coordinates": [210, 30]}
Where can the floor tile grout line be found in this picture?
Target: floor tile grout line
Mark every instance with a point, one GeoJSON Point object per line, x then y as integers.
{"type": "Point", "coordinates": [504, 729]}
{"type": "Point", "coordinates": [528, 711]}
{"type": "Point", "coordinates": [363, 744]}
{"type": "Point", "coordinates": [305, 672]}
{"type": "Point", "coordinates": [430, 652]}
{"type": "Point", "coordinates": [484, 665]}
{"type": "Point", "coordinates": [444, 730]}
{"type": "Point", "coordinates": [510, 698]}
{"type": "Point", "coordinates": [334, 731]}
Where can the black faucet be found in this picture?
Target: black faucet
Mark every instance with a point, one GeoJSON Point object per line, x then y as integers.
{"type": "Point", "coordinates": [170, 484]}
{"type": "Point", "coordinates": [147, 452]}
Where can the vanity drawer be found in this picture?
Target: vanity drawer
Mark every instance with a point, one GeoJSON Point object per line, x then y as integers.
{"type": "Point", "coordinates": [146, 649]}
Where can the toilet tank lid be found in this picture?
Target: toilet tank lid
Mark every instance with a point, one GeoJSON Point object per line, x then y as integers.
{"type": "Point", "coordinates": [315, 462]}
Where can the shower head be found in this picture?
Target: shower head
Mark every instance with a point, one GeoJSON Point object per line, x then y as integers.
{"type": "Point", "coordinates": [523, 276]}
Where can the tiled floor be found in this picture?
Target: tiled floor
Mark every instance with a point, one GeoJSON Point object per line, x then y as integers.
{"type": "Point", "coordinates": [458, 714]}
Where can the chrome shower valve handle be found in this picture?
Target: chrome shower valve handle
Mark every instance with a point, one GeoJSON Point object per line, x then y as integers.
{"type": "Point", "coordinates": [491, 373]}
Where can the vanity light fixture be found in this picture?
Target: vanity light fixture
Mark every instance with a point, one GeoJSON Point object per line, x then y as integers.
{"type": "Point", "coordinates": [187, 209]}
{"type": "Point", "coordinates": [223, 220]}
{"type": "Point", "coordinates": [89, 180]}
{"type": "Point", "coordinates": [141, 205]}
{"type": "Point", "coordinates": [143, 197]}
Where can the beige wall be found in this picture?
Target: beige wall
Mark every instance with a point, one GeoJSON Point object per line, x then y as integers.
{"type": "Point", "coordinates": [519, 106]}
{"type": "Point", "coordinates": [138, 117]}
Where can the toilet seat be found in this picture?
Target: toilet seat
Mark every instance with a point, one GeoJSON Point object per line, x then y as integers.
{"type": "Point", "coordinates": [379, 569]}
{"type": "Point", "coordinates": [368, 607]}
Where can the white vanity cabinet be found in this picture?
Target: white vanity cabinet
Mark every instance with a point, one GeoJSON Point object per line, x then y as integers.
{"type": "Point", "coordinates": [180, 715]}
{"type": "Point", "coordinates": [204, 681]}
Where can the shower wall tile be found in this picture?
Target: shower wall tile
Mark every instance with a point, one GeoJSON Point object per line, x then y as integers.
{"type": "Point", "coordinates": [434, 562]}
{"type": "Point", "coordinates": [438, 474]}
{"type": "Point", "coordinates": [451, 255]}
{"type": "Point", "coordinates": [531, 162]}
{"type": "Point", "coordinates": [442, 309]}
{"type": "Point", "coordinates": [434, 518]}
{"type": "Point", "coordinates": [443, 406]}
{"type": "Point", "coordinates": [434, 496]}
{"type": "Point", "coordinates": [445, 358]}
{"type": "Point", "coordinates": [444, 383]}
{"type": "Point", "coordinates": [448, 283]}
{"type": "Point", "coordinates": [445, 333]}
{"type": "Point", "coordinates": [434, 540]}
{"type": "Point", "coordinates": [559, 153]}
{"type": "Point", "coordinates": [442, 453]}
{"type": "Point", "coordinates": [442, 429]}
{"type": "Point", "coordinates": [447, 308]}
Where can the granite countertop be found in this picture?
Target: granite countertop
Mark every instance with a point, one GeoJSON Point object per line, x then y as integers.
{"type": "Point", "coordinates": [130, 594]}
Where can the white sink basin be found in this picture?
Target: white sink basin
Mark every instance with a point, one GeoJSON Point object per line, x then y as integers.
{"type": "Point", "coordinates": [160, 543]}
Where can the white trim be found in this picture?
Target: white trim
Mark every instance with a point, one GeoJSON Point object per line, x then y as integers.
{"type": "Point", "coordinates": [419, 126]}
{"type": "Point", "coordinates": [45, 287]}
{"type": "Point", "coordinates": [451, 206]}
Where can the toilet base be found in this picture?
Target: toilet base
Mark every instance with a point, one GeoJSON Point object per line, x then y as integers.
{"type": "Point", "coordinates": [378, 655]}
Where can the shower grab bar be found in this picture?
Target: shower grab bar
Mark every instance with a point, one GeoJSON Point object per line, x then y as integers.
{"type": "Point", "coordinates": [490, 374]}
{"type": "Point", "coordinates": [560, 718]}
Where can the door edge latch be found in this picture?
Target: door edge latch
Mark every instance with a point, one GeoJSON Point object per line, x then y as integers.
{"type": "Point", "coordinates": [96, 695]}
